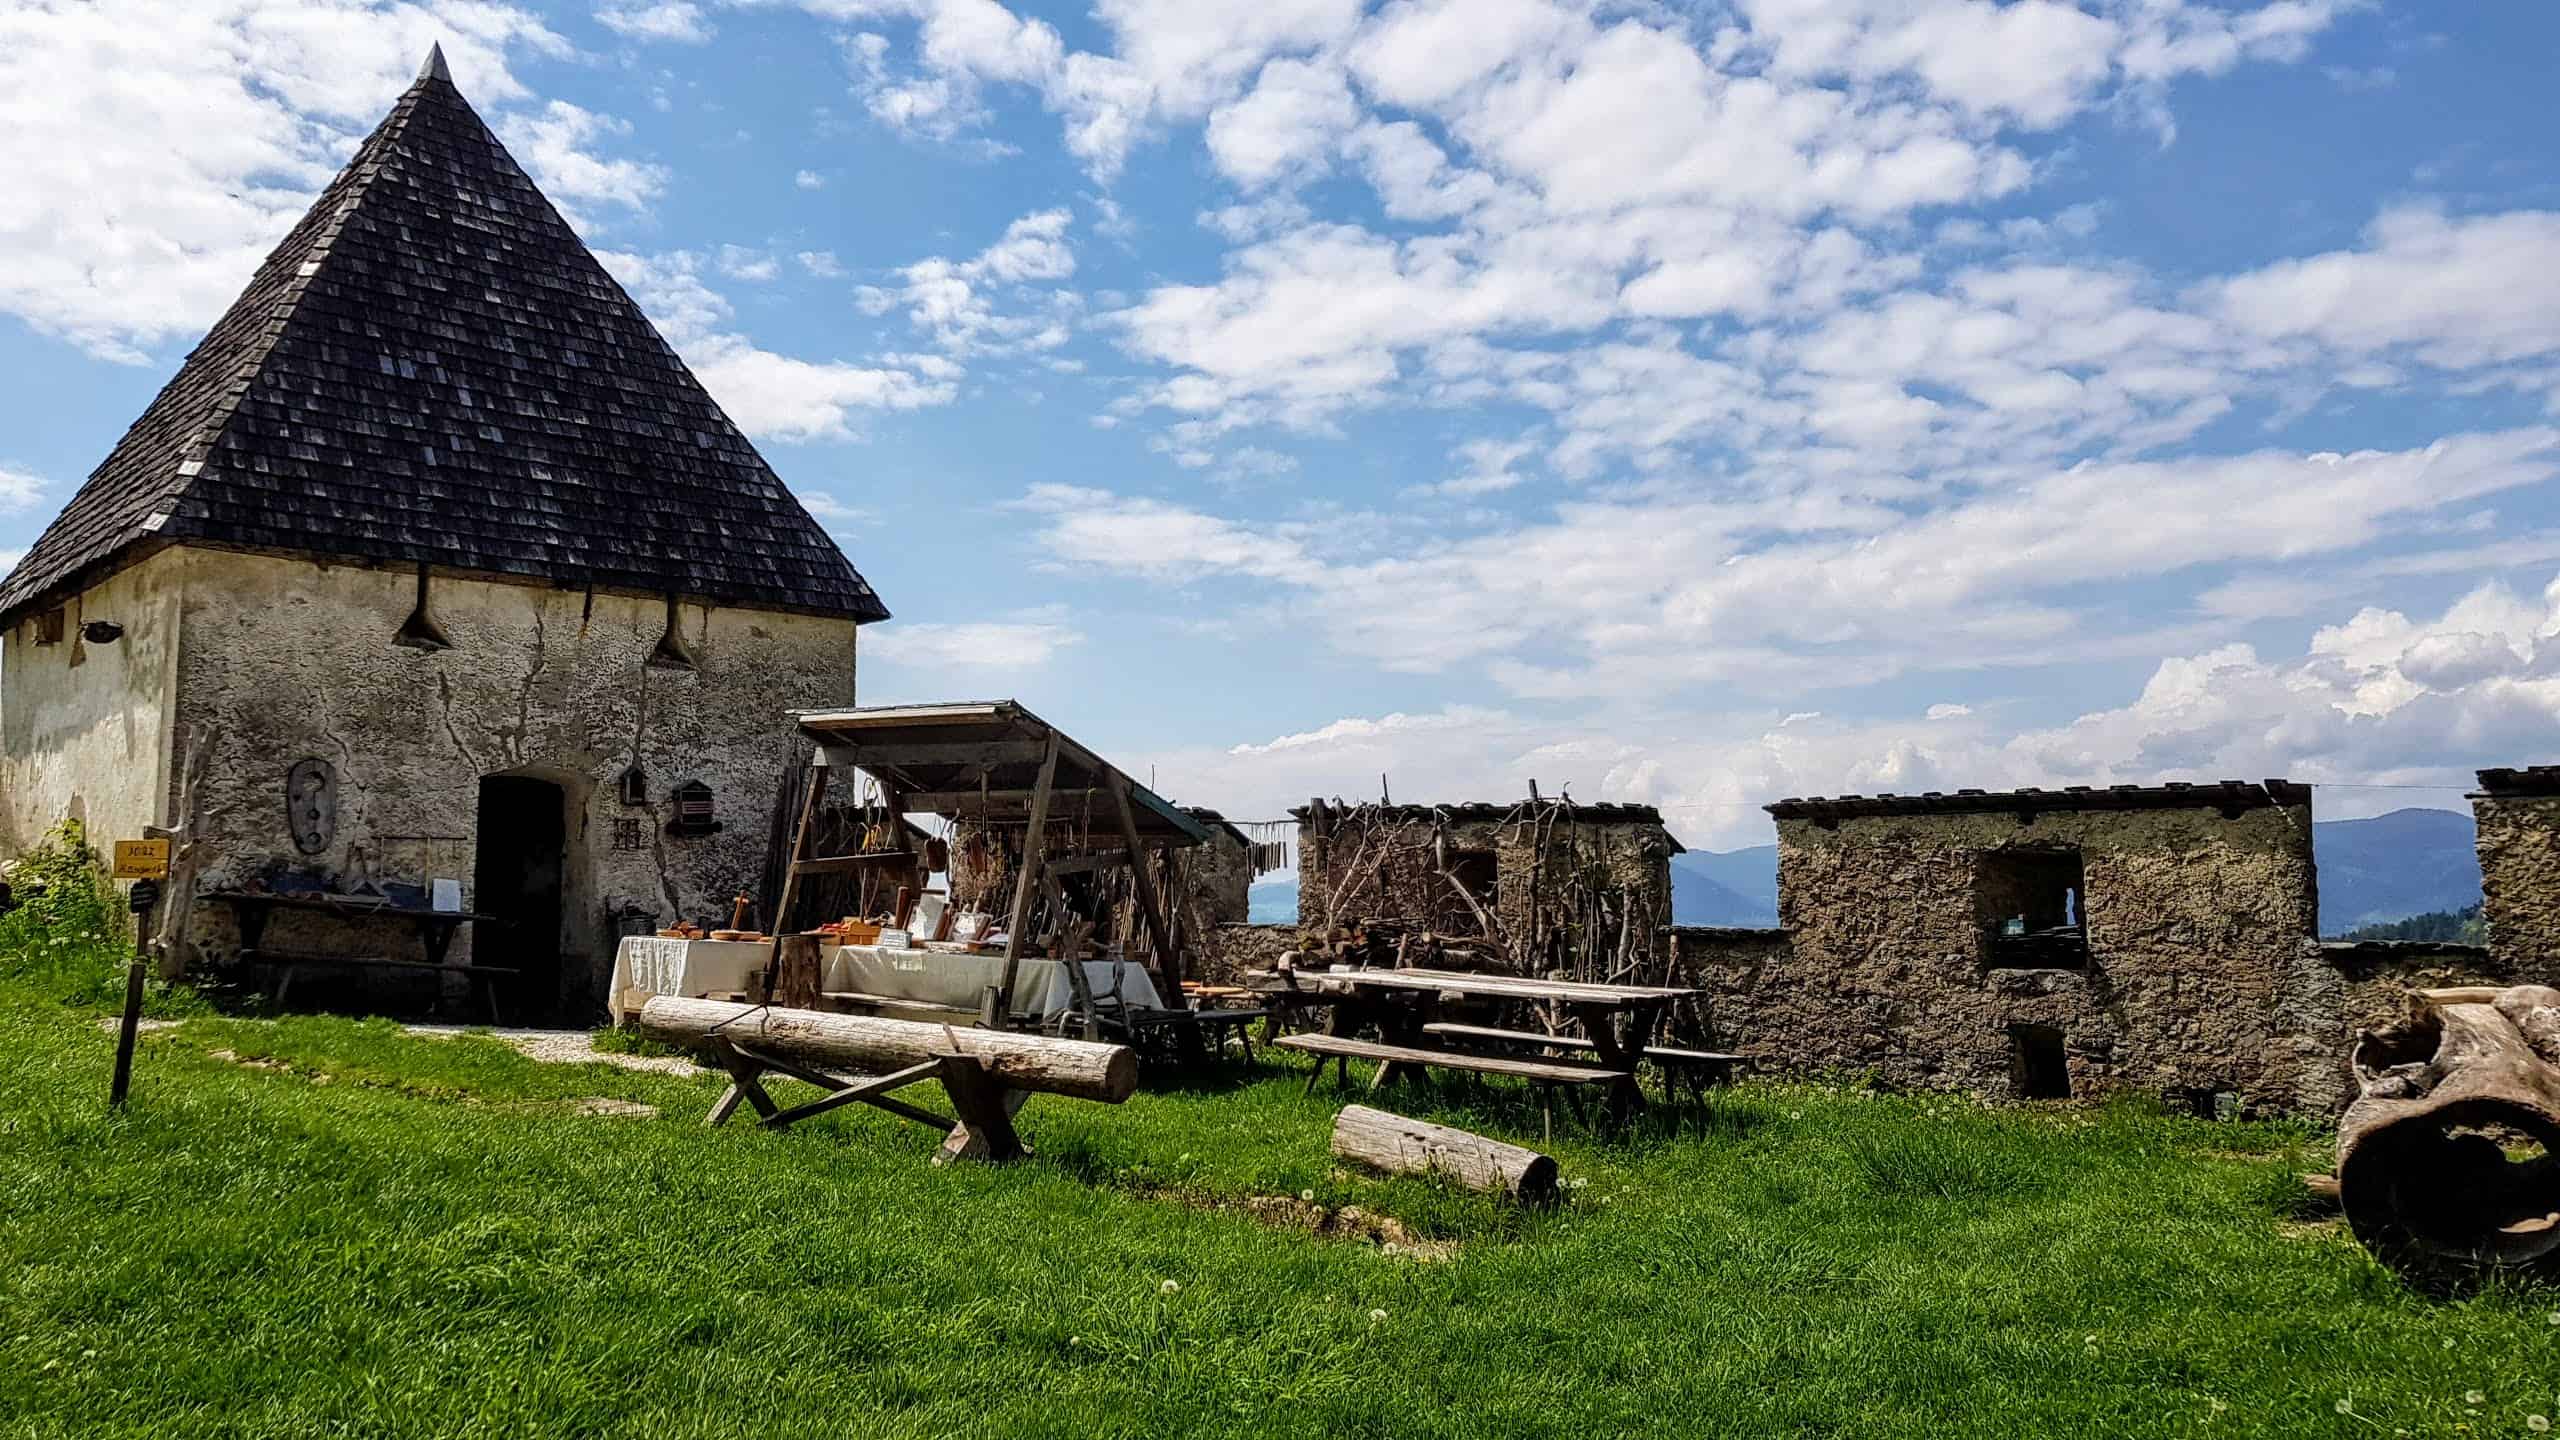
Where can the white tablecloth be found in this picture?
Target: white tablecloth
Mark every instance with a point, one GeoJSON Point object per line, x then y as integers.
{"type": "Point", "coordinates": [645, 965]}
{"type": "Point", "coordinates": [1040, 987]}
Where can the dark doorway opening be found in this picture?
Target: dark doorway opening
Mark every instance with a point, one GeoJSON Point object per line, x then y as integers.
{"type": "Point", "coordinates": [516, 878]}
{"type": "Point", "coordinates": [2037, 1070]}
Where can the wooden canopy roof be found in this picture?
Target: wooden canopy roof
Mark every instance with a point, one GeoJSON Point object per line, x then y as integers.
{"type": "Point", "coordinates": [981, 760]}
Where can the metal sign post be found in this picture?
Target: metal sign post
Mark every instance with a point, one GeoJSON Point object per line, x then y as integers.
{"type": "Point", "coordinates": [144, 862]}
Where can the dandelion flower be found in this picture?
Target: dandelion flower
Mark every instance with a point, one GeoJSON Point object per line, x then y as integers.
{"type": "Point", "coordinates": [2538, 1424]}
{"type": "Point", "coordinates": [1170, 1287]}
{"type": "Point", "coordinates": [1377, 1316]}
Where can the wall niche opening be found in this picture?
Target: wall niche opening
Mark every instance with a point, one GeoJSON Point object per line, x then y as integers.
{"type": "Point", "coordinates": [2030, 907]}
{"type": "Point", "coordinates": [2037, 1069]}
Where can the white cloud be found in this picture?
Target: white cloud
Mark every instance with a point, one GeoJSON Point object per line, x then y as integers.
{"type": "Point", "coordinates": [157, 149]}
{"type": "Point", "coordinates": [19, 489]}
{"type": "Point", "coordinates": [1620, 596]}
{"type": "Point", "coordinates": [809, 180]}
{"type": "Point", "coordinates": [771, 396]}
{"type": "Point", "coordinates": [821, 263]}
{"type": "Point", "coordinates": [557, 146]}
{"type": "Point", "coordinates": [956, 300]}
{"type": "Point", "coordinates": [977, 645]}
{"type": "Point", "coordinates": [679, 21]}
{"type": "Point", "coordinates": [829, 510]}
{"type": "Point", "coordinates": [2384, 698]}
{"type": "Point", "coordinates": [1286, 126]}
{"type": "Point", "coordinates": [2457, 292]}
{"type": "Point", "coordinates": [738, 262]}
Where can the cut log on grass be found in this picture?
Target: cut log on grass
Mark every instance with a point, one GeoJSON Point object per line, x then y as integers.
{"type": "Point", "coordinates": [2449, 1162]}
{"type": "Point", "coordinates": [1036, 1063]}
{"type": "Point", "coordinates": [1400, 1146]}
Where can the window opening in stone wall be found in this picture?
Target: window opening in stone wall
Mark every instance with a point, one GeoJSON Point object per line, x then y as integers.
{"type": "Point", "coordinates": [2032, 909]}
{"type": "Point", "coordinates": [1477, 874]}
{"type": "Point", "coordinates": [671, 654]}
{"type": "Point", "coordinates": [627, 833]}
{"type": "Point", "coordinates": [49, 627]}
{"type": "Point", "coordinates": [2037, 1070]}
{"type": "Point", "coordinates": [420, 631]}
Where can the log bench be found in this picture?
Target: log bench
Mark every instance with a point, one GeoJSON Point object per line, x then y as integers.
{"type": "Point", "coordinates": [985, 1074]}
{"type": "Point", "coordinates": [1393, 1059]}
{"type": "Point", "coordinates": [1702, 1069]}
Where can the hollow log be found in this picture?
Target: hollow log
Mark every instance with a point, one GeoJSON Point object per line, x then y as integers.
{"type": "Point", "coordinates": [2449, 1161]}
{"type": "Point", "coordinates": [872, 1045]}
{"type": "Point", "coordinates": [1397, 1145]}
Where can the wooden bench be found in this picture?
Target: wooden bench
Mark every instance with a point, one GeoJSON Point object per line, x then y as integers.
{"type": "Point", "coordinates": [289, 963]}
{"type": "Point", "coordinates": [1545, 1074]}
{"type": "Point", "coordinates": [1701, 1068]}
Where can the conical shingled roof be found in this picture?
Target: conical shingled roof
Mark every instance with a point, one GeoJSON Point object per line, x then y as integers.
{"type": "Point", "coordinates": [433, 369]}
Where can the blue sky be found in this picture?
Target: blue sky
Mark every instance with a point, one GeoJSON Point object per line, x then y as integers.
{"type": "Point", "coordinates": [1693, 404]}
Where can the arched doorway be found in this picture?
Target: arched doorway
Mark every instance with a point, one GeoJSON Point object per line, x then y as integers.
{"type": "Point", "coordinates": [517, 878]}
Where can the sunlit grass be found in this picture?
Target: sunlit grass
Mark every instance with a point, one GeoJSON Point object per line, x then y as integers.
{"type": "Point", "coordinates": [372, 1232]}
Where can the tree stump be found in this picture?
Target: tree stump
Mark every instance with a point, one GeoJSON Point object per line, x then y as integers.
{"type": "Point", "coordinates": [2449, 1162]}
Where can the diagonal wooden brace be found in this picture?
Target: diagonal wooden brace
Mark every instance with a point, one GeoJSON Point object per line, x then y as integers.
{"type": "Point", "coordinates": [986, 1107]}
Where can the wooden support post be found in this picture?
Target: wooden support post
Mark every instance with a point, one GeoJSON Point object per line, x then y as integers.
{"type": "Point", "coordinates": [1150, 904]}
{"type": "Point", "coordinates": [797, 971]}
{"type": "Point", "coordinates": [985, 1106]}
{"type": "Point", "coordinates": [803, 838]}
{"type": "Point", "coordinates": [1034, 858]}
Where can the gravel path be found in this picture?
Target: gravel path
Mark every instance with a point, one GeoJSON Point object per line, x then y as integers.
{"type": "Point", "coordinates": [566, 1047]}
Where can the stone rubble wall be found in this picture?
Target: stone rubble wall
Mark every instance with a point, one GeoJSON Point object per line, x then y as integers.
{"type": "Point", "coordinates": [2519, 846]}
{"type": "Point", "coordinates": [2192, 919]}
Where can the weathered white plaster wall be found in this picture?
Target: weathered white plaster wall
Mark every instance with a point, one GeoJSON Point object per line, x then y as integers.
{"type": "Point", "coordinates": [84, 728]}
{"type": "Point", "coordinates": [293, 658]}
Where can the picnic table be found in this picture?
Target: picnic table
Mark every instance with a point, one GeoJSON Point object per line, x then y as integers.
{"type": "Point", "coordinates": [1617, 1022]}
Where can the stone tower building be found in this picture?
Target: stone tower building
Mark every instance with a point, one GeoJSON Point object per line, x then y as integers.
{"type": "Point", "coordinates": [435, 523]}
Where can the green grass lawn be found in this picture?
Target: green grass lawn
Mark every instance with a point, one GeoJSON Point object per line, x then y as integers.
{"type": "Point", "coordinates": [372, 1233]}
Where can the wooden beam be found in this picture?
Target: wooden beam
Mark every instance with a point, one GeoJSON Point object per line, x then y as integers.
{"type": "Point", "coordinates": [848, 864]}
{"type": "Point", "coordinates": [1169, 959]}
{"type": "Point", "coordinates": [1079, 864]}
{"type": "Point", "coordinates": [1034, 844]}
{"type": "Point", "coordinates": [893, 755]}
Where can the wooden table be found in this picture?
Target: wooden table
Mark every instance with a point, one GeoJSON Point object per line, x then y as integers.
{"type": "Point", "coordinates": [436, 929]}
{"type": "Point", "coordinates": [1412, 995]}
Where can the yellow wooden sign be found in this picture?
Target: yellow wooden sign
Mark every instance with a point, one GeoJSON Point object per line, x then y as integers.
{"type": "Point", "coordinates": [142, 859]}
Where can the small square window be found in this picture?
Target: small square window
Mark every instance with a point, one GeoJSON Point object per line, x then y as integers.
{"type": "Point", "coordinates": [628, 834]}
{"type": "Point", "coordinates": [2030, 905]}
{"type": "Point", "coordinates": [49, 628]}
